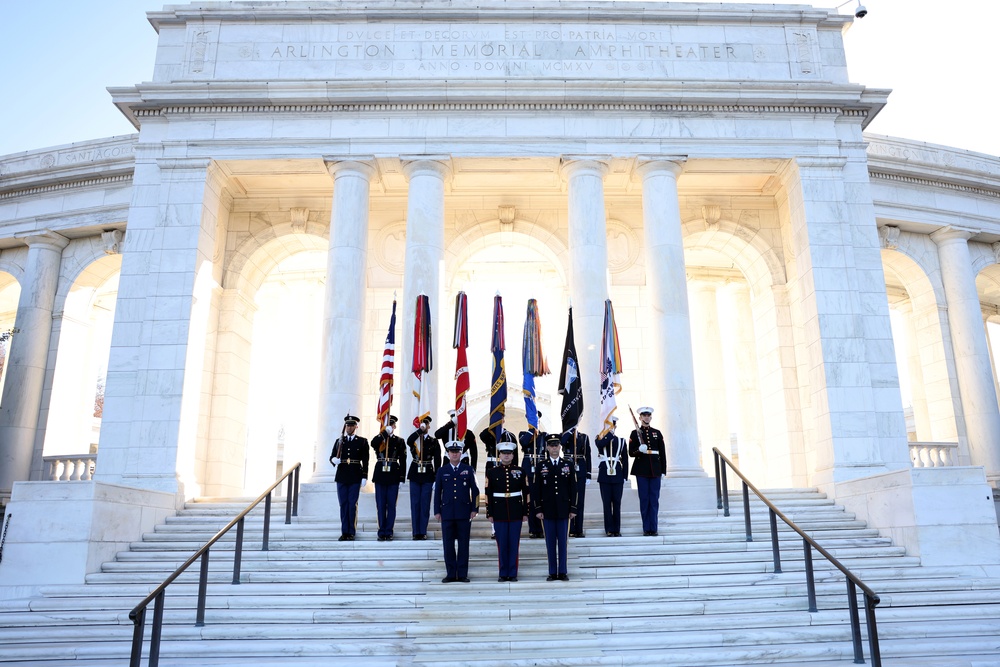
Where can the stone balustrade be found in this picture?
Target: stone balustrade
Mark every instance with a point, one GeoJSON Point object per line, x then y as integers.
{"type": "Point", "coordinates": [932, 454]}
{"type": "Point", "coordinates": [70, 468]}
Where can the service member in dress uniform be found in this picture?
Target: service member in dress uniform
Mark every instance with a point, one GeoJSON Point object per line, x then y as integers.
{"type": "Point", "coordinates": [425, 459]}
{"type": "Point", "coordinates": [611, 475]}
{"type": "Point", "coordinates": [645, 446]}
{"type": "Point", "coordinates": [390, 471]}
{"type": "Point", "coordinates": [490, 443]}
{"type": "Point", "coordinates": [470, 450]}
{"type": "Point", "coordinates": [576, 448]}
{"type": "Point", "coordinates": [532, 451]}
{"type": "Point", "coordinates": [350, 457]}
{"type": "Point", "coordinates": [507, 508]}
{"type": "Point", "coordinates": [456, 504]}
{"type": "Point", "coordinates": [553, 499]}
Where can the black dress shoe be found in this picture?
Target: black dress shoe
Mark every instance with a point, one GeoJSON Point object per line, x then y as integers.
{"type": "Point", "coordinates": [381, 538]}
{"type": "Point", "coordinates": [388, 538]}
{"type": "Point", "coordinates": [653, 534]}
{"type": "Point", "coordinates": [464, 580]}
{"type": "Point", "coordinates": [511, 578]}
{"type": "Point", "coordinates": [448, 580]}
{"type": "Point", "coordinates": [493, 536]}
{"type": "Point", "coordinates": [350, 538]}
{"type": "Point", "coordinates": [418, 538]}
{"type": "Point", "coordinates": [343, 538]}
{"type": "Point", "coordinates": [564, 577]}
{"type": "Point", "coordinates": [501, 578]}
{"type": "Point", "coordinates": [610, 534]}
{"type": "Point", "coordinates": [551, 577]}
{"type": "Point", "coordinates": [618, 534]}
{"type": "Point", "coordinates": [646, 533]}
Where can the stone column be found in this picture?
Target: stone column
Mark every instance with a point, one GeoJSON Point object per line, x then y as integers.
{"type": "Point", "coordinates": [918, 393]}
{"type": "Point", "coordinates": [22, 392]}
{"type": "Point", "coordinates": [972, 357]}
{"type": "Point", "coordinates": [588, 260]}
{"type": "Point", "coordinates": [423, 274]}
{"type": "Point", "coordinates": [989, 347]}
{"type": "Point", "coordinates": [344, 317]}
{"type": "Point", "coordinates": [670, 348]}
{"type": "Point", "coordinates": [713, 408]}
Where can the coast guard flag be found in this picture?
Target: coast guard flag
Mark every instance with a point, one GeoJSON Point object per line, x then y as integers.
{"type": "Point", "coordinates": [498, 388]}
{"type": "Point", "coordinates": [388, 364]}
{"type": "Point", "coordinates": [569, 382]}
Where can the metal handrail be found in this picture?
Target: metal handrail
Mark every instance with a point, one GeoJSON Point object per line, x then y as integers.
{"type": "Point", "coordinates": [808, 544]}
{"type": "Point", "coordinates": [138, 613]}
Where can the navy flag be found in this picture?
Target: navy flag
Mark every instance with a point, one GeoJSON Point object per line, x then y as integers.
{"type": "Point", "coordinates": [569, 382]}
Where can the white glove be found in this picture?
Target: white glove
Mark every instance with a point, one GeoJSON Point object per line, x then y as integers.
{"type": "Point", "coordinates": [603, 458]}
{"type": "Point", "coordinates": [364, 483]}
{"type": "Point", "coordinates": [643, 448]}
{"type": "Point", "coordinates": [588, 483]}
{"type": "Point", "coordinates": [335, 461]}
{"type": "Point", "coordinates": [466, 456]}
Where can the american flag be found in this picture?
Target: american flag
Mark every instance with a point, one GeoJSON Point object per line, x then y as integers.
{"type": "Point", "coordinates": [388, 364]}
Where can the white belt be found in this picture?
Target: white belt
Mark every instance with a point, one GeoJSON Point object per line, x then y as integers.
{"type": "Point", "coordinates": [505, 495]}
{"type": "Point", "coordinates": [652, 453]}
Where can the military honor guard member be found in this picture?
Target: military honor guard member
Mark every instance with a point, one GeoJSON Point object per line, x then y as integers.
{"type": "Point", "coordinates": [350, 457]}
{"type": "Point", "coordinates": [576, 448]}
{"type": "Point", "coordinates": [425, 459]}
{"type": "Point", "coordinates": [553, 499]}
{"type": "Point", "coordinates": [449, 432]}
{"type": "Point", "coordinates": [532, 451]}
{"type": "Point", "coordinates": [649, 455]}
{"type": "Point", "coordinates": [456, 504]}
{"type": "Point", "coordinates": [390, 471]}
{"type": "Point", "coordinates": [507, 508]}
{"type": "Point", "coordinates": [612, 474]}
{"type": "Point", "coordinates": [490, 443]}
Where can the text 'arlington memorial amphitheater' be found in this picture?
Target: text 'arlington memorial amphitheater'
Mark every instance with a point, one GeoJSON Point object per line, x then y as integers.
{"type": "Point", "coordinates": [189, 311]}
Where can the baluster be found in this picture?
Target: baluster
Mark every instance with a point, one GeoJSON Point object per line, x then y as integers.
{"type": "Point", "coordinates": [88, 469]}
{"type": "Point", "coordinates": [53, 468]}
{"type": "Point", "coordinates": [76, 466]}
{"type": "Point", "coordinates": [60, 470]}
{"type": "Point", "coordinates": [946, 459]}
{"type": "Point", "coordinates": [925, 457]}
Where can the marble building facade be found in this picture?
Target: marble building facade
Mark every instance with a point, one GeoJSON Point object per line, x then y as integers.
{"type": "Point", "coordinates": [703, 166]}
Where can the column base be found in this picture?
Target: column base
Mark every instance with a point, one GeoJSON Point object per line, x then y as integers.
{"type": "Point", "coordinates": [688, 494]}
{"type": "Point", "coordinates": [319, 502]}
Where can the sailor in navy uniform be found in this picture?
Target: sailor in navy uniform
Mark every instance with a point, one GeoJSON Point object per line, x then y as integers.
{"type": "Point", "coordinates": [425, 459]}
{"type": "Point", "coordinates": [576, 448]}
{"type": "Point", "coordinates": [533, 451]}
{"type": "Point", "coordinates": [456, 504]}
{"type": "Point", "coordinates": [649, 455]}
{"type": "Point", "coordinates": [449, 432]}
{"type": "Point", "coordinates": [350, 457]}
{"type": "Point", "coordinates": [507, 508]}
{"type": "Point", "coordinates": [553, 500]}
{"type": "Point", "coordinates": [390, 470]}
{"type": "Point", "coordinates": [612, 474]}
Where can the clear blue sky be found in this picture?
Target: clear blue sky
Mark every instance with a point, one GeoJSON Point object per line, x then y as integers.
{"type": "Point", "coordinates": [57, 57]}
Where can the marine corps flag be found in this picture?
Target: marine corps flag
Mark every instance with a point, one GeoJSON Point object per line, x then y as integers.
{"type": "Point", "coordinates": [569, 382]}
{"type": "Point", "coordinates": [460, 342]}
{"type": "Point", "coordinates": [611, 368]}
{"type": "Point", "coordinates": [498, 388]}
{"type": "Point", "coordinates": [422, 359]}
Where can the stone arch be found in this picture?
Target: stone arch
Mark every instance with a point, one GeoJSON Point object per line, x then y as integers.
{"type": "Point", "coordinates": [488, 234]}
{"type": "Point", "coordinates": [85, 265]}
{"type": "Point", "coordinates": [256, 256]}
{"type": "Point", "coordinates": [745, 247]}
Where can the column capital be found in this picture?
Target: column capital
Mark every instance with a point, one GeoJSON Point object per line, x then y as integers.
{"type": "Point", "coordinates": [363, 166]}
{"type": "Point", "coordinates": [436, 164]}
{"type": "Point", "coordinates": [953, 233]}
{"type": "Point", "coordinates": [571, 165]}
{"type": "Point", "coordinates": [649, 165]}
{"type": "Point", "coordinates": [44, 238]}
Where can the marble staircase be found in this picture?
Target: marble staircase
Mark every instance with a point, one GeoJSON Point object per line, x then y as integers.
{"type": "Point", "coordinates": [698, 594]}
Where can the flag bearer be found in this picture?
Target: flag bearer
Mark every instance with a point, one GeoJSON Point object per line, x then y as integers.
{"type": "Point", "coordinates": [533, 448]}
{"type": "Point", "coordinates": [350, 457]}
{"type": "Point", "coordinates": [448, 432]}
{"type": "Point", "coordinates": [576, 448]}
{"type": "Point", "coordinates": [611, 475]}
{"type": "Point", "coordinates": [425, 459]}
{"type": "Point", "coordinates": [390, 471]}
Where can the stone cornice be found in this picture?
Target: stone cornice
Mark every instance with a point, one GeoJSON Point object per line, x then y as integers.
{"type": "Point", "coordinates": [98, 181]}
{"type": "Point", "coordinates": [906, 161]}
{"type": "Point", "coordinates": [935, 183]}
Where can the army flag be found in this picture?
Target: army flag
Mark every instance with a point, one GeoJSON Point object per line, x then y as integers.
{"type": "Point", "coordinates": [533, 362]}
{"type": "Point", "coordinates": [460, 343]}
{"type": "Point", "coordinates": [388, 366]}
{"type": "Point", "coordinates": [422, 357]}
{"type": "Point", "coordinates": [498, 387]}
{"type": "Point", "coordinates": [569, 382]}
{"type": "Point", "coordinates": [611, 368]}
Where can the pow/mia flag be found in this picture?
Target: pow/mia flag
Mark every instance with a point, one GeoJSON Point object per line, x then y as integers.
{"type": "Point", "coordinates": [569, 382]}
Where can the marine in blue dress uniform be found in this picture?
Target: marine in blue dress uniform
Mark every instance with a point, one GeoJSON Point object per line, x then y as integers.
{"type": "Point", "coordinates": [470, 450]}
{"type": "Point", "coordinates": [649, 455]}
{"type": "Point", "coordinates": [576, 448]}
{"type": "Point", "coordinates": [390, 470]}
{"type": "Point", "coordinates": [425, 459]}
{"type": "Point", "coordinates": [532, 451]}
{"type": "Point", "coordinates": [612, 474]}
{"type": "Point", "coordinates": [507, 508]}
{"type": "Point", "coordinates": [456, 504]}
{"type": "Point", "coordinates": [553, 500]}
{"type": "Point", "coordinates": [350, 457]}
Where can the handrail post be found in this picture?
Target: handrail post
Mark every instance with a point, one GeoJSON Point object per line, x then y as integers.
{"type": "Point", "coordinates": [288, 500]}
{"type": "Point", "coordinates": [872, 631]}
{"type": "Point", "coordinates": [725, 491]}
{"type": "Point", "coordinates": [718, 483]}
{"type": "Point", "coordinates": [238, 556]}
{"type": "Point", "coordinates": [746, 511]}
{"type": "Point", "coordinates": [810, 581]}
{"type": "Point", "coordinates": [267, 524]}
{"type": "Point", "coordinates": [295, 496]}
{"type": "Point", "coordinates": [157, 631]}
{"type": "Point", "coordinates": [140, 624]}
{"type": "Point", "coordinates": [852, 603]}
{"type": "Point", "coordinates": [774, 541]}
{"type": "Point", "coordinates": [202, 590]}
